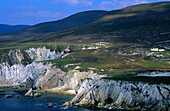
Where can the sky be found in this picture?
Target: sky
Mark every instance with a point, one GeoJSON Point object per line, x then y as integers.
{"type": "Point", "coordinates": [30, 12]}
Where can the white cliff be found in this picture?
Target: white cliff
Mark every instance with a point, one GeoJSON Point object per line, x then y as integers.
{"type": "Point", "coordinates": [57, 80]}
{"type": "Point", "coordinates": [21, 66]}
{"type": "Point", "coordinates": [41, 54]}
{"type": "Point", "coordinates": [122, 94]}
{"type": "Point", "coordinates": [18, 73]}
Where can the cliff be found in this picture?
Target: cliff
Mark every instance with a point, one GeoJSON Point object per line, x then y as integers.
{"type": "Point", "coordinates": [120, 94]}
{"type": "Point", "coordinates": [23, 67]}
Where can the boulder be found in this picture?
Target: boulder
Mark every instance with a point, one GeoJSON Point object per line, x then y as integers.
{"type": "Point", "coordinates": [50, 104]}
{"type": "Point", "coordinates": [37, 94]}
{"type": "Point", "coordinates": [29, 93]}
{"type": "Point", "coordinates": [2, 90]}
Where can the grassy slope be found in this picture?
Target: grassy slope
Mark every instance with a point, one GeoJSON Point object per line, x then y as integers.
{"type": "Point", "coordinates": [146, 23]}
{"type": "Point", "coordinates": [47, 27]}
{"type": "Point", "coordinates": [118, 63]}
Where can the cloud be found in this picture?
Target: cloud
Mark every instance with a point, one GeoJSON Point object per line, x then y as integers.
{"type": "Point", "coordinates": [25, 7]}
{"type": "Point", "coordinates": [39, 14]}
{"type": "Point", "coordinates": [80, 3]}
{"type": "Point", "coordinates": [50, 14]}
{"type": "Point", "coordinates": [56, 2]}
{"type": "Point", "coordinates": [116, 4]}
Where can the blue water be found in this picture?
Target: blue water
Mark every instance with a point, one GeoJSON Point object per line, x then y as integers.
{"type": "Point", "coordinates": [18, 103]}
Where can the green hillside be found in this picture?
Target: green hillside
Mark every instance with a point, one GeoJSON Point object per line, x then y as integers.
{"type": "Point", "coordinates": [146, 23]}
{"type": "Point", "coordinates": [47, 27]}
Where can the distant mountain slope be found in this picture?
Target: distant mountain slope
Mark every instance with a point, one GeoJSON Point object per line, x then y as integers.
{"type": "Point", "coordinates": [47, 27]}
{"type": "Point", "coordinates": [149, 23]}
{"type": "Point", "coordinates": [9, 28]}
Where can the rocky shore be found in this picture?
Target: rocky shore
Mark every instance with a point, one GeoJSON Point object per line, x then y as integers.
{"type": "Point", "coordinates": [89, 88]}
{"type": "Point", "coordinates": [122, 94]}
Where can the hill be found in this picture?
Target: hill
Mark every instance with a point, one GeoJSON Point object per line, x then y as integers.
{"type": "Point", "coordinates": [9, 28]}
{"type": "Point", "coordinates": [47, 27]}
{"type": "Point", "coordinates": [146, 23]}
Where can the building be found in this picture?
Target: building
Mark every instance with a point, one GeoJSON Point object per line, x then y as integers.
{"type": "Point", "coordinates": [157, 49]}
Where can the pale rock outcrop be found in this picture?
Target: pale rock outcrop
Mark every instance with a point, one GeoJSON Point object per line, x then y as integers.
{"type": "Point", "coordinates": [20, 67]}
{"type": "Point", "coordinates": [29, 93]}
{"type": "Point", "coordinates": [123, 94]}
{"type": "Point", "coordinates": [52, 78]}
{"type": "Point", "coordinates": [18, 73]}
{"type": "Point", "coordinates": [41, 54]}
{"type": "Point", "coordinates": [69, 81]}
{"type": "Point", "coordinates": [15, 56]}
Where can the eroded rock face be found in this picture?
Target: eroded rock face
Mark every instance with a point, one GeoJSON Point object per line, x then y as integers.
{"type": "Point", "coordinates": [60, 81]}
{"type": "Point", "coordinates": [41, 54]}
{"type": "Point", "coordinates": [122, 94]}
{"type": "Point", "coordinates": [21, 67]}
{"type": "Point", "coordinates": [18, 73]}
{"type": "Point", "coordinates": [52, 78]}
{"type": "Point", "coordinates": [24, 69]}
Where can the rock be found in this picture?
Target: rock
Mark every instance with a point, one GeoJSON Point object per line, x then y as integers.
{"type": "Point", "coordinates": [122, 94]}
{"type": "Point", "coordinates": [8, 96]}
{"type": "Point", "coordinates": [2, 90]}
{"type": "Point", "coordinates": [29, 93]}
{"type": "Point", "coordinates": [20, 89]}
{"type": "Point", "coordinates": [100, 104]}
{"type": "Point", "coordinates": [37, 94]}
{"type": "Point", "coordinates": [19, 65]}
{"type": "Point", "coordinates": [2, 94]}
{"type": "Point", "coordinates": [50, 104]}
{"type": "Point", "coordinates": [67, 104]}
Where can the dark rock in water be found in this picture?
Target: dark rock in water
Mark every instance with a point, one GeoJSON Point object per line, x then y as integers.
{"type": "Point", "coordinates": [13, 94]}
{"type": "Point", "coordinates": [9, 96]}
{"type": "Point", "coordinates": [50, 104]}
{"type": "Point", "coordinates": [26, 97]}
{"type": "Point", "coordinates": [2, 90]}
{"type": "Point", "coordinates": [2, 94]}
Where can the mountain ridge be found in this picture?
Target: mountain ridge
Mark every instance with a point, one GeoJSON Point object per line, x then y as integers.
{"type": "Point", "coordinates": [5, 28]}
{"type": "Point", "coordinates": [53, 26]}
{"type": "Point", "coordinates": [147, 23]}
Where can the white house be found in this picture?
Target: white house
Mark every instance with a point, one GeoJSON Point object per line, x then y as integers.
{"type": "Point", "coordinates": [161, 50]}
{"type": "Point", "coordinates": [155, 49]}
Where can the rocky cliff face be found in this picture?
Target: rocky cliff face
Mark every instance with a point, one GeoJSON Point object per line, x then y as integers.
{"type": "Point", "coordinates": [22, 67]}
{"type": "Point", "coordinates": [58, 80]}
{"type": "Point", "coordinates": [121, 94]}
{"type": "Point", "coordinates": [18, 73]}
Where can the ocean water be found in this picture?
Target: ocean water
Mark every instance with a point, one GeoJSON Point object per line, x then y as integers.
{"type": "Point", "coordinates": [18, 103]}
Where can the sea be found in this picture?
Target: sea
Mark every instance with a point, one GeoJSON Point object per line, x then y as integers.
{"type": "Point", "coordinates": [15, 101]}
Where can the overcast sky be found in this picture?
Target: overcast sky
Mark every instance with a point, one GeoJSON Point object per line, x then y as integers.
{"type": "Point", "coordinates": [36, 11]}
